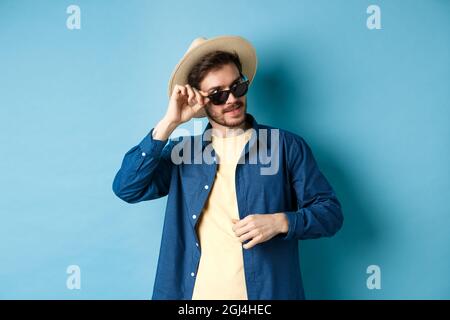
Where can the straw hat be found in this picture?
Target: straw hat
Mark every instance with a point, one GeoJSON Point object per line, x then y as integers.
{"type": "Point", "coordinates": [201, 46]}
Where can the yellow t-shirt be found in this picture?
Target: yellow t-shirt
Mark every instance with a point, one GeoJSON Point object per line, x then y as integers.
{"type": "Point", "coordinates": [220, 274]}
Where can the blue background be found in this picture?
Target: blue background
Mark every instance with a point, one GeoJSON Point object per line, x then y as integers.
{"type": "Point", "coordinates": [372, 104]}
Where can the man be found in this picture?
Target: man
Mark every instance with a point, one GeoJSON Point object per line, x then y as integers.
{"type": "Point", "coordinates": [233, 216]}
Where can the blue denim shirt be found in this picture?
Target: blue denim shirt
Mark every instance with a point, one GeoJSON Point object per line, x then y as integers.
{"type": "Point", "coordinates": [297, 188]}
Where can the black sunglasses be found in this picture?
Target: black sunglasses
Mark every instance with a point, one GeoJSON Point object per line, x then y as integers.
{"type": "Point", "coordinates": [238, 89]}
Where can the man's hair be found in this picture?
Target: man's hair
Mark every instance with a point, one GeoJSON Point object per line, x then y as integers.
{"type": "Point", "coordinates": [209, 62]}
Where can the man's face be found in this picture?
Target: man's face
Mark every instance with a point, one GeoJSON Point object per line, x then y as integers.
{"type": "Point", "coordinates": [225, 114]}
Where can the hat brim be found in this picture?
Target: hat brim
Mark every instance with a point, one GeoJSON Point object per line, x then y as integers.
{"type": "Point", "coordinates": [244, 49]}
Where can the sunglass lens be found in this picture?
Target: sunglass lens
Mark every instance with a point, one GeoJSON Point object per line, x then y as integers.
{"type": "Point", "coordinates": [219, 97]}
{"type": "Point", "coordinates": [240, 89]}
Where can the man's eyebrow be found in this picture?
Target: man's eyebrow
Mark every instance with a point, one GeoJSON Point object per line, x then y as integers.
{"type": "Point", "coordinates": [218, 87]}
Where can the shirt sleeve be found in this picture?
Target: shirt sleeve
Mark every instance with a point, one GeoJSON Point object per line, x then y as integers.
{"type": "Point", "coordinates": [319, 211]}
{"type": "Point", "coordinates": [145, 172]}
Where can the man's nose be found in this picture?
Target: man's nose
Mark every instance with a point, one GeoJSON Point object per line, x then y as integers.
{"type": "Point", "coordinates": [231, 98]}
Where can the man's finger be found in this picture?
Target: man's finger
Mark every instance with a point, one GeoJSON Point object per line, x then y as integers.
{"type": "Point", "coordinates": [191, 94]}
{"type": "Point", "coordinates": [200, 98]}
{"type": "Point", "coordinates": [248, 235]}
{"type": "Point", "coordinates": [180, 89]}
{"type": "Point", "coordinates": [252, 243]}
{"type": "Point", "coordinates": [205, 96]}
{"type": "Point", "coordinates": [203, 93]}
{"type": "Point", "coordinates": [241, 222]}
{"type": "Point", "coordinates": [240, 231]}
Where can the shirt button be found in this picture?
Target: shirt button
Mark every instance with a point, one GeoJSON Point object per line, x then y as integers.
{"type": "Point", "coordinates": [196, 244]}
{"type": "Point", "coordinates": [192, 274]}
{"type": "Point", "coordinates": [194, 216]}
{"type": "Point", "coordinates": [206, 187]}
{"type": "Point", "coordinates": [143, 154]}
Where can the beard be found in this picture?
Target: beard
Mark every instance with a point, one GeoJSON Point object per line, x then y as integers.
{"type": "Point", "coordinates": [224, 119]}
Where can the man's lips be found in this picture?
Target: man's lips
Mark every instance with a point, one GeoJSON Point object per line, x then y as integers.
{"type": "Point", "coordinates": [232, 109]}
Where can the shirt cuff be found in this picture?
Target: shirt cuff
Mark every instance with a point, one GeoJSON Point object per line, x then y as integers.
{"type": "Point", "coordinates": [295, 228]}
